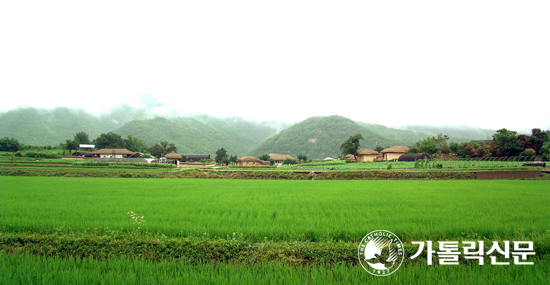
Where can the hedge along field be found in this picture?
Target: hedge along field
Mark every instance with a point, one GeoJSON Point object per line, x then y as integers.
{"type": "Point", "coordinates": [279, 210]}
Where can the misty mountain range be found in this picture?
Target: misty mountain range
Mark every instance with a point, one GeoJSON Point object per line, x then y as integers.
{"type": "Point", "coordinates": [317, 137]}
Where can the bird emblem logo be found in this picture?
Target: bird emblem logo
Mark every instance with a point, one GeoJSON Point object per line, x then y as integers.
{"type": "Point", "coordinates": [381, 253]}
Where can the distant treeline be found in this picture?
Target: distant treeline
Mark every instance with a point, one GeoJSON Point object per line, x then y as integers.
{"type": "Point", "coordinates": [503, 143]}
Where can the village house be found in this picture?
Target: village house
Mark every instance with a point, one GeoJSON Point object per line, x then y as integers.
{"type": "Point", "coordinates": [88, 147]}
{"type": "Point", "coordinates": [250, 161]}
{"type": "Point", "coordinates": [394, 152]}
{"type": "Point", "coordinates": [279, 158]}
{"type": "Point", "coordinates": [115, 153]}
{"type": "Point", "coordinates": [196, 157]}
{"type": "Point", "coordinates": [366, 154]}
{"type": "Point", "coordinates": [173, 158]}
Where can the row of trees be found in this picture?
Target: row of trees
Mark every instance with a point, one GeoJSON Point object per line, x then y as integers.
{"type": "Point", "coordinates": [9, 144]}
{"type": "Point", "coordinates": [112, 140]}
{"type": "Point", "coordinates": [223, 157]}
{"type": "Point", "coordinates": [504, 143]}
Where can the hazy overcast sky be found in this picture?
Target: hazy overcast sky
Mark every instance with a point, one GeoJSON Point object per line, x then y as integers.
{"type": "Point", "coordinates": [484, 63]}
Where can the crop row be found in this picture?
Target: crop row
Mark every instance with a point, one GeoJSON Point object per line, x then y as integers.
{"type": "Point", "coordinates": [379, 165]}
{"type": "Point", "coordinates": [136, 164]}
{"type": "Point", "coordinates": [293, 210]}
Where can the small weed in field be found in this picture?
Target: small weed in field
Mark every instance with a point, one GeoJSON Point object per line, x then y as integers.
{"type": "Point", "coordinates": [137, 220]}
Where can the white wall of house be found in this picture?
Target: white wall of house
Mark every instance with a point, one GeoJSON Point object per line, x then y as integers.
{"type": "Point", "coordinates": [111, 156]}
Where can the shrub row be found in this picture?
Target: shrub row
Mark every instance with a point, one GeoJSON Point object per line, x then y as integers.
{"type": "Point", "coordinates": [272, 175]}
{"type": "Point", "coordinates": [250, 166]}
{"type": "Point", "coordinates": [134, 164]}
{"type": "Point", "coordinates": [83, 173]}
{"type": "Point", "coordinates": [160, 247]}
{"type": "Point", "coordinates": [35, 154]}
{"type": "Point", "coordinates": [287, 175]}
{"type": "Point", "coordinates": [443, 175]}
{"type": "Point", "coordinates": [284, 175]}
{"type": "Point", "coordinates": [227, 250]}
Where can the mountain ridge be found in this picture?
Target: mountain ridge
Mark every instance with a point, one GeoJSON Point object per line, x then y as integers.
{"type": "Point", "coordinates": [318, 136]}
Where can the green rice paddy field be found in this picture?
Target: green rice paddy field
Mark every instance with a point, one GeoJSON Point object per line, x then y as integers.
{"type": "Point", "coordinates": [271, 231]}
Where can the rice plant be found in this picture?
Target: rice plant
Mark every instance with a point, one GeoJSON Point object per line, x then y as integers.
{"type": "Point", "coordinates": [18, 268]}
{"type": "Point", "coordinates": [276, 209]}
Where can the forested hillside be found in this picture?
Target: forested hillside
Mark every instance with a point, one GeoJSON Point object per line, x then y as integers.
{"type": "Point", "coordinates": [456, 133]}
{"type": "Point", "coordinates": [400, 135]}
{"type": "Point", "coordinates": [38, 126]}
{"type": "Point", "coordinates": [319, 137]}
{"type": "Point", "coordinates": [51, 127]}
{"type": "Point", "coordinates": [195, 134]}
{"type": "Point", "coordinates": [198, 135]}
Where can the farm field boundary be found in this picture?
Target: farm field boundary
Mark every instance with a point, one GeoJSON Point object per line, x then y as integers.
{"type": "Point", "coordinates": [196, 250]}
{"type": "Point", "coordinates": [279, 175]}
{"type": "Point", "coordinates": [283, 175]}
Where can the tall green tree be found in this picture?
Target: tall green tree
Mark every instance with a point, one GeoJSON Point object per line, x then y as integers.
{"type": "Point", "coordinates": [457, 148]}
{"type": "Point", "coordinates": [134, 144]}
{"type": "Point", "coordinates": [432, 145]}
{"type": "Point", "coordinates": [156, 150]}
{"type": "Point", "coordinates": [109, 140]}
{"type": "Point", "coordinates": [264, 157]}
{"type": "Point", "coordinates": [507, 143]}
{"type": "Point", "coordinates": [81, 138]}
{"type": "Point", "coordinates": [427, 146]}
{"type": "Point", "coordinates": [351, 145]}
{"type": "Point", "coordinates": [169, 147]}
{"type": "Point", "coordinates": [70, 145]}
{"type": "Point", "coordinates": [10, 144]}
{"type": "Point", "coordinates": [441, 140]}
{"type": "Point", "coordinates": [538, 138]}
{"type": "Point", "coordinates": [162, 148]}
{"type": "Point", "coordinates": [221, 155]}
{"type": "Point", "coordinates": [545, 150]}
